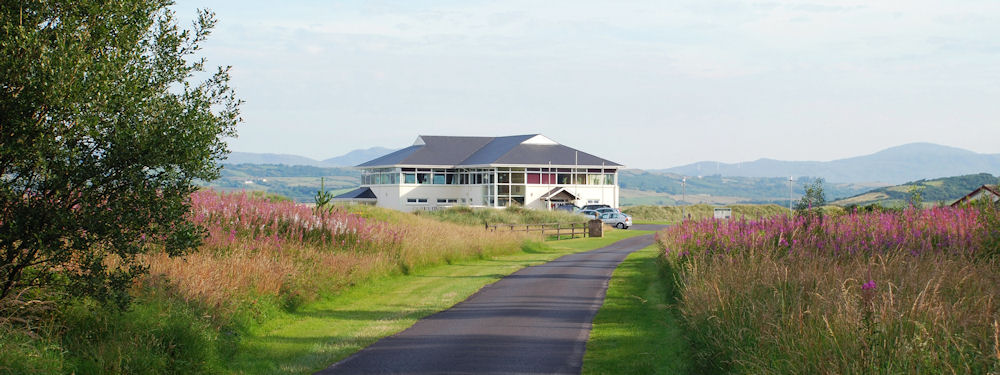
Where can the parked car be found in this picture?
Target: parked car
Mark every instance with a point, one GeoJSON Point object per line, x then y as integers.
{"type": "Point", "coordinates": [595, 206]}
{"type": "Point", "coordinates": [567, 207]}
{"type": "Point", "coordinates": [593, 214]}
{"type": "Point", "coordinates": [616, 219]}
{"type": "Point", "coordinates": [608, 210]}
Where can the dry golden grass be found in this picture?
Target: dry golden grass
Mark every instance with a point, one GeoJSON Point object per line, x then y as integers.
{"type": "Point", "coordinates": [221, 274]}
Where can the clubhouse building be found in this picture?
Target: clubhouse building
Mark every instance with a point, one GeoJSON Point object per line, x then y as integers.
{"type": "Point", "coordinates": [532, 171]}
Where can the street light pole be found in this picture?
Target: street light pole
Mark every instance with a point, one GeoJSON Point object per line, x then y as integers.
{"type": "Point", "coordinates": [683, 195]}
{"type": "Point", "coordinates": [789, 193]}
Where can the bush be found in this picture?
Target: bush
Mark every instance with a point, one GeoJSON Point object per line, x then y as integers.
{"type": "Point", "coordinates": [25, 352]}
{"type": "Point", "coordinates": [156, 336]}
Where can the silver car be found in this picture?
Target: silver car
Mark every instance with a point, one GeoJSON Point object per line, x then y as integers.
{"type": "Point", "coordinates": [618, 220]}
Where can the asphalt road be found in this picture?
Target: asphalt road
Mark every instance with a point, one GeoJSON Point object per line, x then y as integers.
{"type": "Point", "coordinates": [534, 321]}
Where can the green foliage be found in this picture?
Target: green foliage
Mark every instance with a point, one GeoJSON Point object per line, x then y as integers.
{"type": "Point", "coordinates": [322, 197]}
{"type": "Point", "coordinates": [989, 216]}
{"type": "Point", "coordinates": [156, 336]}
{"type": "Point", "coordinates": [25, 352]}
{"type": "Point", "coordinates": [916, 199]}
{"type": "Point", "coordinates": [814, 197]}
{"type": "Point", "coordinates": [104, 133]}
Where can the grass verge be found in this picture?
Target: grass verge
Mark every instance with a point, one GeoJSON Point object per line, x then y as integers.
{"type": "Point", "coordinates": [325, 331]}
{"type": "Point", "coordinates": [638, 330]}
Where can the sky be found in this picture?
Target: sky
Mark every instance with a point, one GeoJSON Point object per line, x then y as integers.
{"type": "Point", "coordinates": [650, 84]}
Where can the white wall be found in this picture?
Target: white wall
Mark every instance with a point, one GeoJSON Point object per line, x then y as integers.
{"type": "Point", "coordinates": [395, 196]}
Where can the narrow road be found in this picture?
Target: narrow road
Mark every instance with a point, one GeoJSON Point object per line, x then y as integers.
{"type": "Point", "coordinates": [534, 321]}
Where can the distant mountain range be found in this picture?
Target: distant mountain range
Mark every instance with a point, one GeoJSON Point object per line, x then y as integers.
{"type": "Point", "coordinates": [349, 159]}
{"type": "Point", "coordinates": [895, 165]}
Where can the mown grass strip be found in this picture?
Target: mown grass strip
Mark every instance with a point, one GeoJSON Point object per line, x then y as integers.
{"type": "Point", "coordinates": [637, 330]}
{"type": "Point", "coordinates": [328, 330]}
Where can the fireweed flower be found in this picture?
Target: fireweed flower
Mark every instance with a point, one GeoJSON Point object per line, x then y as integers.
{"type": "Point", "coordinates": [870, 285]}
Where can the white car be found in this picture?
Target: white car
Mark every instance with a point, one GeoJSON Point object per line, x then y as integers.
{"type": "Point", "coordinates": [616, 219]}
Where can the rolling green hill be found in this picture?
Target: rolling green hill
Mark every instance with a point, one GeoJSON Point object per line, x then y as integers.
{"type": "Point", "coordinates": [934, 191]}
{"type": "Point", "coordinates": [645, 187]}
{"type": "Point", "coordinates": [298, 182]}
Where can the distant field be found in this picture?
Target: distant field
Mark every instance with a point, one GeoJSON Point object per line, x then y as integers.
{"type": "Point", "coordinates": [300, 183]}
{"type": "Point", "coordinates": [701, 211]}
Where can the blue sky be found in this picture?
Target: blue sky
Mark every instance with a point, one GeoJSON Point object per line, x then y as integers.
{"type": "Point", "coordinates": [650, 84]}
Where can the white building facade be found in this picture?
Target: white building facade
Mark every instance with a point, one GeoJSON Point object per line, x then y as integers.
{"type": "Point", "coordinates": [526, 170]}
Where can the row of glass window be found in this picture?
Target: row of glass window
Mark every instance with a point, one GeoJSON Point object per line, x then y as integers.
{"type": "Point", "coordinates": [439, 177]}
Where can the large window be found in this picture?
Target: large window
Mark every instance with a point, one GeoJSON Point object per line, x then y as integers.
{"type": "Point", "coordinates": [380, 176]}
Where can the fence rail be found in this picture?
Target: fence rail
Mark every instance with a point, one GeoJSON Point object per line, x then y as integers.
{"type": "Point", "coordinates": [560, 231]}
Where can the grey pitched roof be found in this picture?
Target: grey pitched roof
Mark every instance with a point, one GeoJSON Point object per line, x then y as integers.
{"type": "Point", "coordinates": [359, 193]}
{"type": "Point", "coordinates": [531, 149]}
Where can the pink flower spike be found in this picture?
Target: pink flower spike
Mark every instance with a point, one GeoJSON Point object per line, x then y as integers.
{"type": "Point", "coordinates": [869, 285]}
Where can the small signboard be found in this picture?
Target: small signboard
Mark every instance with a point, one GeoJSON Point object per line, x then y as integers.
{"type": "Point", "coordinates": [723, 213]}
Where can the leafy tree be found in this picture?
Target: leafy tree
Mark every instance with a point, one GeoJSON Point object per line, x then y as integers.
{"type": "Point", "coordinates": [916, 199]}
{"type": "Point", "coordinates": [322, 197]}
{"type": "Point", "coordinates": [106, 121]}
{"type": "Point", "coordinates": [813, 198]}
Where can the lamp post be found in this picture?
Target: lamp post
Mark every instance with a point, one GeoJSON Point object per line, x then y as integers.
{"type": "Point", "coordinates": [789, 193]}
{"type": "Point", "coordinates": [683, 195]}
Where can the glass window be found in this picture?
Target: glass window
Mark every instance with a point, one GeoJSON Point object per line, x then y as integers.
{"type": "Point", "coordinates": [534, 178]}
{"type": "Point", "coordinates": [439, 179]}
{"type": "Point", "coordinates": [609, 179]}
{"type": "Point", "coordinates": [423, 178]}
{"type": "Point", "coordinates": [581, 179]}
{"type": "Point", "coordinates": [517, 178]}
{"type": "Point", "coordinates": [564, 179]}
{"type": "Point", "coordinates": [517, 190]}
{"type": "Point", "coordinates": [504, 189]}
{"type": "Point", "coordinates": [409, 178]}
{"type": "Point", "coordinates": [503, 178]}
{"type": "Point", "coordinates": [595, 179]}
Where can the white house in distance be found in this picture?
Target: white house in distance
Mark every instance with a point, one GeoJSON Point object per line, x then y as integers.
{"type": "Point", "coordinates": [527, 170]}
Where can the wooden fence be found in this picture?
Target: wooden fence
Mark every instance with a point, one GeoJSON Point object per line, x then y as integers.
{"type": "Point", "coordinates": [559, 231]}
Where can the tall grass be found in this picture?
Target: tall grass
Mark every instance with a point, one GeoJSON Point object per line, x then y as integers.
{"type": "Point", "coordinates": [906, 292]}
{"type": "Point", "coordinates": [510, 215]}
{"type": "Point", "coordinates": [258, 247]}
{"type": "Point", "coordinates": [702, 211]}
